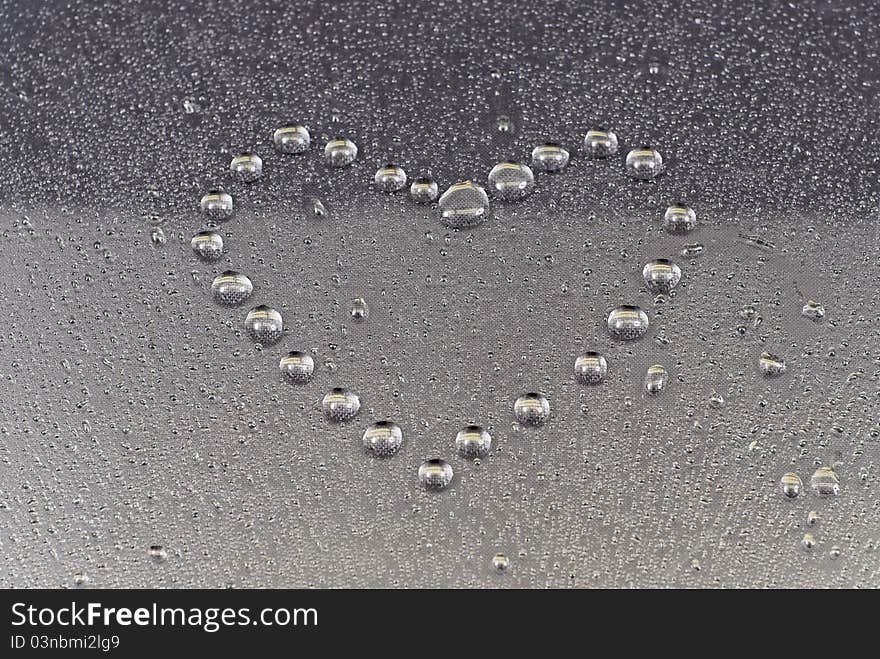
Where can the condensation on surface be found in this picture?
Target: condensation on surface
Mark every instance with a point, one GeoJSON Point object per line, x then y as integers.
{"type": "Point", "coordinates": [145, 440]}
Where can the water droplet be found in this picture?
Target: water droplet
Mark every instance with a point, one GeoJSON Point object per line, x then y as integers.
{"type": "Point", "coordinates": [531, 409]}
{"type": "Point", "coordinates": [217, 205]}
{"type": "Point", "coordinates": [318, 208]}
{"type": "Point", "coordinates": [157, 236]}
{"type": "Point", "coordinates": [812, 518]}
{"type": "Point", "coordinates": [207, 245]}
{"type": "Point", "coordinates": [679, 219]}
{"type": "Point", "coordinates": [231, 288]}
{"type": "Point", "coordinates": [340, 405]}
{"type": "Point", "coordinates": [464, 204]}
{"type": "Point", "coordinates": [81, 580]}
{"type": "Point", "coordinates": [292, 139]}
{"type": "Point", "coordinates": [809, 541]}
{"type": "Point", "coordinates": [716, 399]}
{"type": "Point", "coordinates": [435, 474]}
{"type": "Point", "coordinates": [627, 322]}
{"type": "Point", "coordinates": [504, 124]}
{"type": "Point", "coordinates": [771, 365]}
{"type": "Point", "coordinates": [157, 552]}
{"type": "Point", "coordinates": [661, 276]}
{"type": "Point", "coordinates": [691, 250]}
{"type": "Point", "coordinates": [835, 552]}
{"type": "Point", "coordinates": [549, 157]}
{"type": "Point", "coordinates": [298, 367]}
{"type": "Point", "coordinates": [340, 152]}
{"type": "Point", "coordinates": [814, 311]}
{"type": "Point", "coordinates": [791, 485]}
{"type": "Point", "coordinates": [383, 439]}
{"type": "Point", "coordinates": [590, 368]}
{"type": "Point", "coordinates": [424, 189]}
{"type": "Point", "coordinates": [644, 163]}
{"type": "Point", "coordinates": [264, 325]}
{"type": "Point", "coordinates": [473, 442]}
{"type": "Point", "coordinates": [247, 167]}
{"type": "Point", "coordinates": [500, 562]}
{"type": "Point", "coordinates": [600, 143]}
{"type": "Point", "coordinates": [824, 482]}
{"type": "Point", "coordinates": [359, 310]}
{"type": "Point", "coordinates": [390, 178]}
{"type": "Point", "coordinates": [511, 180]}
{"type": "Point", "coordinates": [656, 379]}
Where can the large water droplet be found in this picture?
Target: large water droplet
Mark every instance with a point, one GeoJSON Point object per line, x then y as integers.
{"type": "Point", "coordinates": [247, 167]}
{"type": "Point", "coordinates": [340, 152]}
{"type": "Point", "coordinates": [464, 205]}
{"type": "Point", "coordinates": [473, 442]}
{"type": "Point", "coordinates": [791, 485]}
{"type": "Point", "coordinates": [264, 325]}
{"type": "Point", "coordinates": [424, 189]}
{"type": "Point", "coordinates": [231, 288]}
{"type": "Point", "coordinates": [600, 143]}
{"type": "Point", "coordinates": [531, 409]}
{"type": "Point", "coordinates": [292, 139]}
{"type": "Point", "coordinates": [435, 474]}
{"type": "Point", "coordinates": [511, 180]}
{"type": "Point", "coordinates": [390, 178]}
{"type": "Point", "coordinates": [627, 322]}
{"type": "Point", "coordinates": [382, 439]}
{"type": "Point", "coordinates": [824, 482]}
{"type": "Point", "coordinates": [590, 368]}
{"type": "Point", "coordinates": [297, 367]}
{"type": "Point", "coordinates": [656, 379]}
{"type": "Point", "coordinates": [679, 219]}
{"type": "Point", "coordinates": [217, 205]}
{"type": "Point", "coordinates": [340, 405]}
{"type": "Point", "coordinates": [207, 245]}
{"type": "Point", "coordinates": [771, 365]}
{"type": "Point", "coordinates": [661, 276]}
{"type": "Point", "coordinates": [549, 157]}
{"type": "Point", "coordinates": [644, 163]}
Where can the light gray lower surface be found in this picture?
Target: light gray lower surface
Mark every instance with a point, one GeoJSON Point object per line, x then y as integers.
{"type": "Point", "coordinates": [136, 412]}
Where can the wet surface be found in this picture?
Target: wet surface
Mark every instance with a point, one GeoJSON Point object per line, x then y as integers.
{"type": "Point", "coordinates": [147, 440]}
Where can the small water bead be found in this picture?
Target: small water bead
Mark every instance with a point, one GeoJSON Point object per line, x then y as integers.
{"type": "Point", "coordinates": [791, 485]}
{"type": "Point", "coordinates": [771, 365]}
{"type": "Point", "coordinates": [500, 562]}
{"type": "Point", "coordinates": [264, 325]}
{"type": "Point", "coordinates": [463, 205]}
{"type": "Point", "coordinates": [382, 439]}
{"type": "Point", "coordinates": [217, 205]}
{"type": "Point", "coordinates": [473, 442]}
{"type": "Point", "coordinates": [360, 311]}
{"type": "Point", "coordinates": [231, 288]}
{"type": "Point", "coordinates": [656, 379]}
{"type": "Point", "coordinates": [340, 152]}
{"type": "Point", "coordinates": [247, 167]}
{"type": "Point", "coordinates": [549, 157]}
{"type": "Point", "coordinates": [590, 368]}
{"type": "Point", "coordinates": [297, 367]}
{"type": "Point", "coordinates": [319, 210]}
{"type": "Point", "coordinates": [814, 311]}
{"type": "Point", "coordinates": [511, 180]}
{"type": "Point", "coordinates": [644, 163]}
{"type": "Point", "coordinates": [824, 482]}
{"type": "Point", "coordinates": [531, 409]}
{"type": "Point", "coordinates": [424, 189]}
{"type": "Point", "coordinates": [207, 245]}
{"type": "Point", "coordinates": [435, 474]}
{"type": "Point", "coordinates": [157, 236]}
{"type": "Point", "coordinates": [292, 139]}
{"type": "Point", "coordinates": [390, 178]}
{"type": "Point", "coordinates": [340, 405]}
{"type": "Point", "coordinates": [679, 219]}
{"type": "Point", "coordinates": [809, 541]}
{"type": "Point", "coordinates": [600, 143]}
{"type": "Point", "coordinates": [157, 553]}
{"type": "Point", "coordinates": [834, 553]}
{"type": "Point", "coordinates": [812, 518]}
{"type": "Point", "coordinates": [661, 276]}
{"type": "Point", "coordinates": [692, 250]}
{"type": "Point", "coordinates": [504, 124]}
{"type": "Point", "coordinates": [716, 400]}
{"type": "Point", "coordinates": [627, 322]}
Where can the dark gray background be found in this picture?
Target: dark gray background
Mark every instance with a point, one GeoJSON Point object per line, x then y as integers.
{"type": "Point", "coordinates": [136, 412]}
